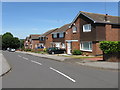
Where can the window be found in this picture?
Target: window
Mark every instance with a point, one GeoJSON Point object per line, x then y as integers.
{"type": "Point", "coordinates": [86, 46]}
{"type": "Point", "coordinates": [42, 38]}
{"type": "Point", "coordinates": [74, 29]}
{"type": "Point", "coordinates": [55, 35]}
{"type": "Point", "coordinates": [87, 28]}
{"type": "Point", "coordinates": [61, 35]}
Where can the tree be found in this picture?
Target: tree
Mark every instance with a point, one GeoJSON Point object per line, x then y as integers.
{"type": "Point", "coordinates": [21, 43]}
{"type": "Point", "coordinates": [8, 41]}
{"type": "Point", "coordinates": [0, 42]}
{"type": "Point", "coordinates": [15, 43]}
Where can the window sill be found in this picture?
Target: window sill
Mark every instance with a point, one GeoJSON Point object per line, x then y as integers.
{"type": "Point", "coordinates": [86, 50]}
{"type": "Point", "coordinates": [87, 31]}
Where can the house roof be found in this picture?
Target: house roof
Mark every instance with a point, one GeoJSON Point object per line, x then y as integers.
{"type": "Point", "coordinates": [48, 32]}
{"type": "Point", "coordinates": [62, 29]}
{"type": "Point", "coordinates": [26, 38]}
{"type": "Point", "coordinates": [34, 36]}
{"type": "Point", "coordinates": [99, 18]}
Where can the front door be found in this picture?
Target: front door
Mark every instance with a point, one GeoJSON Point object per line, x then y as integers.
{"type": "Point", "coordinates": [69, 48]}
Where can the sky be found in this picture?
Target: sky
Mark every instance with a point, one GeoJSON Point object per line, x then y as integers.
{"type": "Point", "coordinates": [25, 18]}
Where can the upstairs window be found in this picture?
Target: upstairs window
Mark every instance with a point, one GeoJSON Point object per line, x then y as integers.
{"type": "Point", "coordinates": [87, 28]}
{"type": "Point", "coordinates": [55, 35]}
{"type": "Point", "coordinates": [42, 38]}
{"type": "Point", "coordinates": [61, 35]}
{"type": "Point", "coordinates": [74, 29]}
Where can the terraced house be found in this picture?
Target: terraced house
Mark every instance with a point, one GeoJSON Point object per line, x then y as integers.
{"type": "Point", "coordinates": [83, 33]}
{"type": "Point", "coordinates": [58, 37]}
{"type": "Point", "coordinates": [46, 39]}
{"type": "Point", "coordinates": [32, 42]}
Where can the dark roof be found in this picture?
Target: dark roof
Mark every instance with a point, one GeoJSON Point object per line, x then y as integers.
{"type": "Point", "coordinates": [99, 18]}
{"type": "Point", "coordinates": [48, 32]}
{"type": "Point", "coordinates": [63, 28]}
{"type": "Point", "coordinates": [34, 36]}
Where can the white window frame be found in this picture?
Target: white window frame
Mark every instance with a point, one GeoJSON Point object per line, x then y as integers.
{"type": "Point", "coordinates": [55, 35]}
{"type": "Point", "coordinates": [61, 35]}
{"type": "Point", "coordinates": [82, 46]}
{"type": "Point", "coordinates": [88, 28]}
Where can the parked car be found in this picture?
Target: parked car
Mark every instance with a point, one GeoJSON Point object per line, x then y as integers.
{"type": "Point", "coordinates": [55, 50]}
{"type": "Point", "coordinates": [11, 50]}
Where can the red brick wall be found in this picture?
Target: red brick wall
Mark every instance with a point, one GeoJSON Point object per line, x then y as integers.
{"type": "Point", "coordinates": [48, 41]}
{"type": "Point", "coordinates": [96, 49]}
{"type": "Point", "coordinates": [75, 46]}
{"type": "Point", "coordinates": [111, 33]}
{"type": "Point", "coordinates": [34, 43]}
{"type": "Point", "coordinates": [74, 36]}
{"type": "Point", "coordinates": [68, 35]}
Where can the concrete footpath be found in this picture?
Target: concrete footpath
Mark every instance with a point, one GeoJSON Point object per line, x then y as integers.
{"type": "Point", "coordinates": [5, 67]}
{"type": "Point", "coordinates": [89, 63]}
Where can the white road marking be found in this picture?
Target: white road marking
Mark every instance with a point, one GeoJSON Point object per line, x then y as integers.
{"type": "Point", "coordinates": [36, 62]}
{"type": "Point", "coordinates": [19, 56]}
{"type": "Point", "coordinates": [25, 58]}
{"type": "Point", "coordinates": [63, 74]}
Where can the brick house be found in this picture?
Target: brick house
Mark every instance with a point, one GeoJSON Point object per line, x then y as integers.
{"type": "Point", "coordinates": [46, 39]}
{"type": "Point", "coordinates": [87, 29]}
{"type": "Point", "coordinates": [32, 42]}
{"type": "Point", "coordinates": [58, 37]}
{"type": "Point", "coordinates": [26, 43]}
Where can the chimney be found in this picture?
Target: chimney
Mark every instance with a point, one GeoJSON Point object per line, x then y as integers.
{"type": "Point", "coordinates": [106, 17]}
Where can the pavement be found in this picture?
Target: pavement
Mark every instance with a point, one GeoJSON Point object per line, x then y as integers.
{"type": "Point", "coordinates": [30, 71]}
{"type": "Point", "coordinates": [89, 62]}
{"type": "Point", "coordinates": [5, 67]}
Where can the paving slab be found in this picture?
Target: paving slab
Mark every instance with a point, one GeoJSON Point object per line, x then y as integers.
{"type": "Point", "coordinates": [5, 67]}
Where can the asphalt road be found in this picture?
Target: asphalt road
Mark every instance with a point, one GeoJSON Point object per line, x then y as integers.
{"type": "Point", "coordinates": [35, 72]}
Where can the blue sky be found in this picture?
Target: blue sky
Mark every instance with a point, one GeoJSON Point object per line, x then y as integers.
{"type": "Point", "coordinates": [25, 18]}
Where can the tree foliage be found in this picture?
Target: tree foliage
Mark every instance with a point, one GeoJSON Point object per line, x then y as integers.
{"type": "Point", "coordinates": [8, 41]}
{"type": "Point", "coordinates": [110, 46]}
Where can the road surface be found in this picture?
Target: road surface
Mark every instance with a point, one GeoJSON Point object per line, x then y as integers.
{"type": "Point", "coordinates": [35, 72]}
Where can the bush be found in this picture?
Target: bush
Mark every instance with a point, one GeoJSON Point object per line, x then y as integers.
{"type": "Point", "coordinates": [28, 50]}
{"type": "Point", "coordinates": [45, 50]}
{"type": "Point", "coordinates": [76, 52]}
{"type": "Point", "coordinates": [110, 46]}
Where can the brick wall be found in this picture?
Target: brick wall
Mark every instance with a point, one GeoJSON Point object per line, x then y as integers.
{"type": "Point", "coordinates": [112, 34]}
{"type": "Point", "coordinates": [75, 46]}
{"type": "Point", "coordinates": [48, 41]}
{"type": "Point", "coordinates": [96, 49]}
{"type": "Point", "coordinates": [34, 43]}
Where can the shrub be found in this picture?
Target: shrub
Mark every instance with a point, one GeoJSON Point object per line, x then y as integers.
{"type": "Point", "coordinates": [110, 46]}
{"type": "Point", "coordinates": [45, 50]}
{"type": "Point", "coordinates": [28, 50]}
{"type": "Point", "coordinates": [76, 52]}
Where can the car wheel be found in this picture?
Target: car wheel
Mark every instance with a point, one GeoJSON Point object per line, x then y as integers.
{"type": "Point", "coordinates": [53, 52]}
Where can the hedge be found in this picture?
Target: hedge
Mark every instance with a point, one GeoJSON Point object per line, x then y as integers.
{"type": "Point", "coordinates": [110, 46]}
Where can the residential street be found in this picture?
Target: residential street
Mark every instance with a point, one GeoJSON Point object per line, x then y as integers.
{"type": "Point", "coordinates": [34, 72]}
